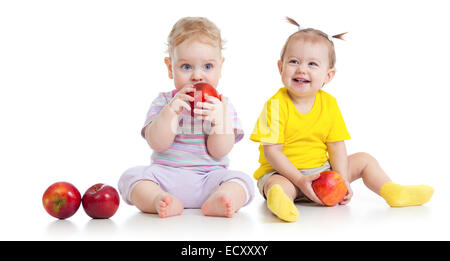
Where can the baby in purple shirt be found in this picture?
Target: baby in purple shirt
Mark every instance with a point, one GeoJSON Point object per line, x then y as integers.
{"type": "Point", "coordinates": [189, 164]}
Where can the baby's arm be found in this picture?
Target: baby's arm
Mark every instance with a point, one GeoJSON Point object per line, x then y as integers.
{"type": "Point", "coordinates": [161, 132]}
{"type": "Point", "coordinates": [337, 153]}
{"type": "Point", "coordinates": [220, 143]}
{"type": "Point", "coordinates": [275, 156]}
{"type": "Point", "coordinates": [221, 138]}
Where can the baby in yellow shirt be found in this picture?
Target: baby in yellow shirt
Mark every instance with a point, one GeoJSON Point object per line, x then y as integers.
{"type": "Point", "coordinates": [302, 133]}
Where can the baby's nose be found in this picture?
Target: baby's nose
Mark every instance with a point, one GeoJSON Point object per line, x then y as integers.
{"type": "Point", "coordinates": [301, 68]}
{"type": "Point", "coordinates": [196, 76]}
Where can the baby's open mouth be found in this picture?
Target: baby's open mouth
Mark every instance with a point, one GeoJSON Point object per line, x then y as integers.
{"type": "Point", "coordinates": [301, 80]}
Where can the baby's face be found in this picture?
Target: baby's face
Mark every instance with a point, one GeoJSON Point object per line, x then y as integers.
{"type": "Point", "coordinates": [195, 61]}
{"type": "Point", "coordinates": [305, 67]}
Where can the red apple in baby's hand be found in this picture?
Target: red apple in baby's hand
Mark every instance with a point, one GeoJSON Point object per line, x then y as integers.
{"type": "Point", "coordinates": [61, 200]}
{"type": "Point", "coordinates": [101, 201]}
{"type": "Point", "coordinates": [201, 89]}
{"type": "Point", "coordinates": [330, 188]}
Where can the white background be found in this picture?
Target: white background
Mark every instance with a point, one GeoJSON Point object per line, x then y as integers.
{"type": "Point", "coordinates": [77, 78]}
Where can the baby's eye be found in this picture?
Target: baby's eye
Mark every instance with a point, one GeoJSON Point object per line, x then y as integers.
{"type": "Point", "coordinates": [208, 66]}
{"type": "Point", "coordinates": [313, 64]}
{"type": "Point", "coordinates": [293, 61]}
{"type": "Point", "coordinates": [186, 67]}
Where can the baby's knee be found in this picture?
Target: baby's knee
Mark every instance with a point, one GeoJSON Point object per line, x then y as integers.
{"type": "Point", "coordinates": [128, 180]}
{"type": "Point", "coordinates": [364, 157]}
{"type": "Point", "coordinates": [287, 185]}
{"type": "Point", "coordinates": [141, 190]}
{"type": "Point", "coordinates": [276, 179]}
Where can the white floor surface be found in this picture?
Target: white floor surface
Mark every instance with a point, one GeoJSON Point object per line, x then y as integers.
{"type": "Point", "coordinates": [367, 217]}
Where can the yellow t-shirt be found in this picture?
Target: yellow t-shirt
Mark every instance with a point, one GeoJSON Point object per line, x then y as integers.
{"type": "Point", "coordinates": [304, 136]}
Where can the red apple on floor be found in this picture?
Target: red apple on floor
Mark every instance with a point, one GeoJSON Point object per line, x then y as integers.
{"type": "Point", "coordinates": [101, 201]}
{"type": "Point", "coordinates": [61, 200]}
{"type": "Point", "coordinates": [330, 188]}
{"type": "Point", "coordinates": [201, 89]}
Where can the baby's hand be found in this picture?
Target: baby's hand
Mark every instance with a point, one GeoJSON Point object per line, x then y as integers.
{"type": "Point", "coordinates": [349, 195]}
{"type": "Point", "coordinates": [181, 99]}
{"type": "Point", "coordinates": [213, 110]}
{"type": "Point", "coordinates": [304, 183]}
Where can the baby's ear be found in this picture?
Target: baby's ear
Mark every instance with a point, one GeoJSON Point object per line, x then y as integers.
{"type": "Point", "coordinates": [168, 63]}
{"type": "Point", "coordinates": [280, 66]}
{"type": "Point", "coordinates": [330, 75]}
{"type": "Point", "coordinates": [221, 64]}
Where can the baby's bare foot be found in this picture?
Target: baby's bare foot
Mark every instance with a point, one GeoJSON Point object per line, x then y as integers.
{"type": "Point", "coordinates": [219, 206]}
{"type": "Point", "coordinates": [167, 206]}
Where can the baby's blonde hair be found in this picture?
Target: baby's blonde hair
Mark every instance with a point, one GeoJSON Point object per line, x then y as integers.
{"type": "Point", "coordinates": [189, 27]}
{"type": "Point", "coordinates": [312, 33]}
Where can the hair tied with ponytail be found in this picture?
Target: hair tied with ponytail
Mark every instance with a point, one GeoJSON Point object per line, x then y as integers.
{"type": "Point", "coordinates": [339, 36]}
{"type": "Point", "coordinates": [300, 28]}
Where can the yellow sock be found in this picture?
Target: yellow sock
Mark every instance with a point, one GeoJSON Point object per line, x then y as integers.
{"type": "Point", "coordinates": [403, 196]}
{"type": "Point", "coordinates": [281, 205]}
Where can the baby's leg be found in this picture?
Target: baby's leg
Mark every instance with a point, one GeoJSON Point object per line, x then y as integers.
{"type": "Point", "coordinates": [363, 165]}
{"type": "Point", "coordinates": [148, 197]}
{"type": "Point", "coordinates": [280, 194]}
{"type": "Point", "coordinates": [228, 198]}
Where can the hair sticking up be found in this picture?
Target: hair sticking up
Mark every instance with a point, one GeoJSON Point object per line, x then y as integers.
{"type": "Point", "coordinates": [340, 36]}
{"type": "Point", "coordinates": [292, 21]}
{"type": "Point", "coordinates": [337, 36]}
